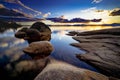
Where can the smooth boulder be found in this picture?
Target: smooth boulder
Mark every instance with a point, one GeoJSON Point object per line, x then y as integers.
{"type": "Point", "coordinates": [38, 50]}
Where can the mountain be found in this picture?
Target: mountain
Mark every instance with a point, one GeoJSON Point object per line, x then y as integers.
{"type": "Point", "coordinates": [58, 20]}
{"type": "Point", "coordinates": [74, 20]}
{"type": "Point", "coordinates": [8, 25]}
{"type": "Point", "coordinates": [79, 20]}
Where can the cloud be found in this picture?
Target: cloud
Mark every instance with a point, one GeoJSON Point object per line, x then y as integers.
{"type": "Point", "coordinates": [99, 10]}
{"type": "Point", "coordinates": [12, 12]}
{"type": "Point", "coordinates": [62, 17]}
{"type": "Point", "coordinates": [89, 10]}
{"type": "Point", "coordinates": [11, 1]}
{"type": "Point", "coordinates": [115, 12]}
{"type": "Point", "coordinates": [2, 6]}
{"type": "Point", "coordinates": [23, 5]}
{"type": "Point", "coordinates": [25, 15]}
{"type": "Point", "coordinates": [46, 15]}
{"type": "Point", "coordinates": [97, 1]}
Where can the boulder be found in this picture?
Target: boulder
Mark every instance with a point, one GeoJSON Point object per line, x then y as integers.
{"type": "Point", "coordinates": [21, 33]}
{"type": "Point", "coordinates": [41, 27]}
{"type": "Point", "coordinates": [49, 69]}
{"type": "Point", "coordinates": [37, 32]}
{"type": "Point", "coordinates": [57, 70]}
{"type": "Point", "coordinates": [38, 50]}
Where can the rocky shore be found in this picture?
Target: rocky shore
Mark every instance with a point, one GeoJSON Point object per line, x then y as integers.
{"type": "Point", "coordinates": [102, 49]}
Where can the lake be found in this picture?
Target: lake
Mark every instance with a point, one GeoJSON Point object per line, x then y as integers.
{"type": "Point", "coordinates": [11, 48]}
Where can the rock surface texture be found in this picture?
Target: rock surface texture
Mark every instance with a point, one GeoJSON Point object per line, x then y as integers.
{"type": "Point", "coordinates": [102, 49]}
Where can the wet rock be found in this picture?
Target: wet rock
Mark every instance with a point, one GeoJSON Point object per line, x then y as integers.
{"type": "Point", "coordinates": [38, 50]}
{"type": "Point", "coordinates": [102, 50]}
{"type": "Point", "coordinates": [21, 33]}
{"type": "Point", "coordinates": [56, 70]}
{"type": "Point", "coordinates": [37, 32]}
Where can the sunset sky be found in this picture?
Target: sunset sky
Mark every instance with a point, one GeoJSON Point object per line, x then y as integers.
{"type": "Point", "coordinates": [107, 10]}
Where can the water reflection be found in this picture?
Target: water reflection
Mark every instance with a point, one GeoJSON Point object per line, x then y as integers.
{"type": "Point", "coordinates": [63, 51]}
{"type": "Point", "coordinates": [78, 28]}
{"type": "Point", "coordinates": [11, 47]}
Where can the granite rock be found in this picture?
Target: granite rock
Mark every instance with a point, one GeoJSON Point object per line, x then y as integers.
{"type": "Point", "coordinates": [102, 50]}
{"type": "Point", "coordinates": [38, 50]}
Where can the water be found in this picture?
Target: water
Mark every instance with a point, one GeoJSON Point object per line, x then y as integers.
{"type": "Point", "coordinates": [11, 47]}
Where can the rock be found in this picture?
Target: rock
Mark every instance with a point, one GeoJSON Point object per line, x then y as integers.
{"type": "Point", "coordinates": [49, 69]}
{"type": "Point", "coordinates": [21, 33]}
{"type": "Point", "coordinates": [113, 31]}
{"type": "Point", "coordinates": [102, 50]}
{"type": "Point", "coordinates": [41, 27]}
{"type": "Point", "coordinates": [56, 70]}
{"type": "Point", "coordinates": [34, 35]}
{"type": "Point", "coordinates": [73, 33]}
{"type": "Point", "coordinates": [38, 50]}
{"type": "Point", "coordinates": [37, 32]}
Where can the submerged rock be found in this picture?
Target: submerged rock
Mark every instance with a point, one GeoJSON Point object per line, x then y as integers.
{"type": "Point", "coordinates": [38, 50]}
{"type": "Point", "coordinates": [102, 50]}
{"type": "Point", "coordinates": [37, 32]}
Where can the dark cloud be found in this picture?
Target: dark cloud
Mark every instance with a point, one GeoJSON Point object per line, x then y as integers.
{"type": "Point", "coordinates": [12, 12]}
{"type": "Point", "coordinates": [96, 20]}
{"type": "Point", "coordinates": [115, 12]}
{"type": "Point", "coordinates": [27, 7]}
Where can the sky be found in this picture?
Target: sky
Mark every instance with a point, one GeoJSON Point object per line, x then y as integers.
{"type": "Point", "coordinates": [107, 10]}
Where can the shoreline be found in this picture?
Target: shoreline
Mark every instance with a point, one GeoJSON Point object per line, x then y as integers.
{"type": "Point", "coordinates": [102, 49]}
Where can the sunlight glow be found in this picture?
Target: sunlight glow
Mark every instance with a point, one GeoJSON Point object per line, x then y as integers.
{"type": "Point", "coordinates": [94, 13]}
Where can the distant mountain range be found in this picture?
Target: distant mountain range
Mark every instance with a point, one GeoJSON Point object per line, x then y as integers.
{"type": "Point", "coordinates": [74, 20]}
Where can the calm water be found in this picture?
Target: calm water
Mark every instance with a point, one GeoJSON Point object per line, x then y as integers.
{"type": "Point", "coordinates": [11, 47]}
